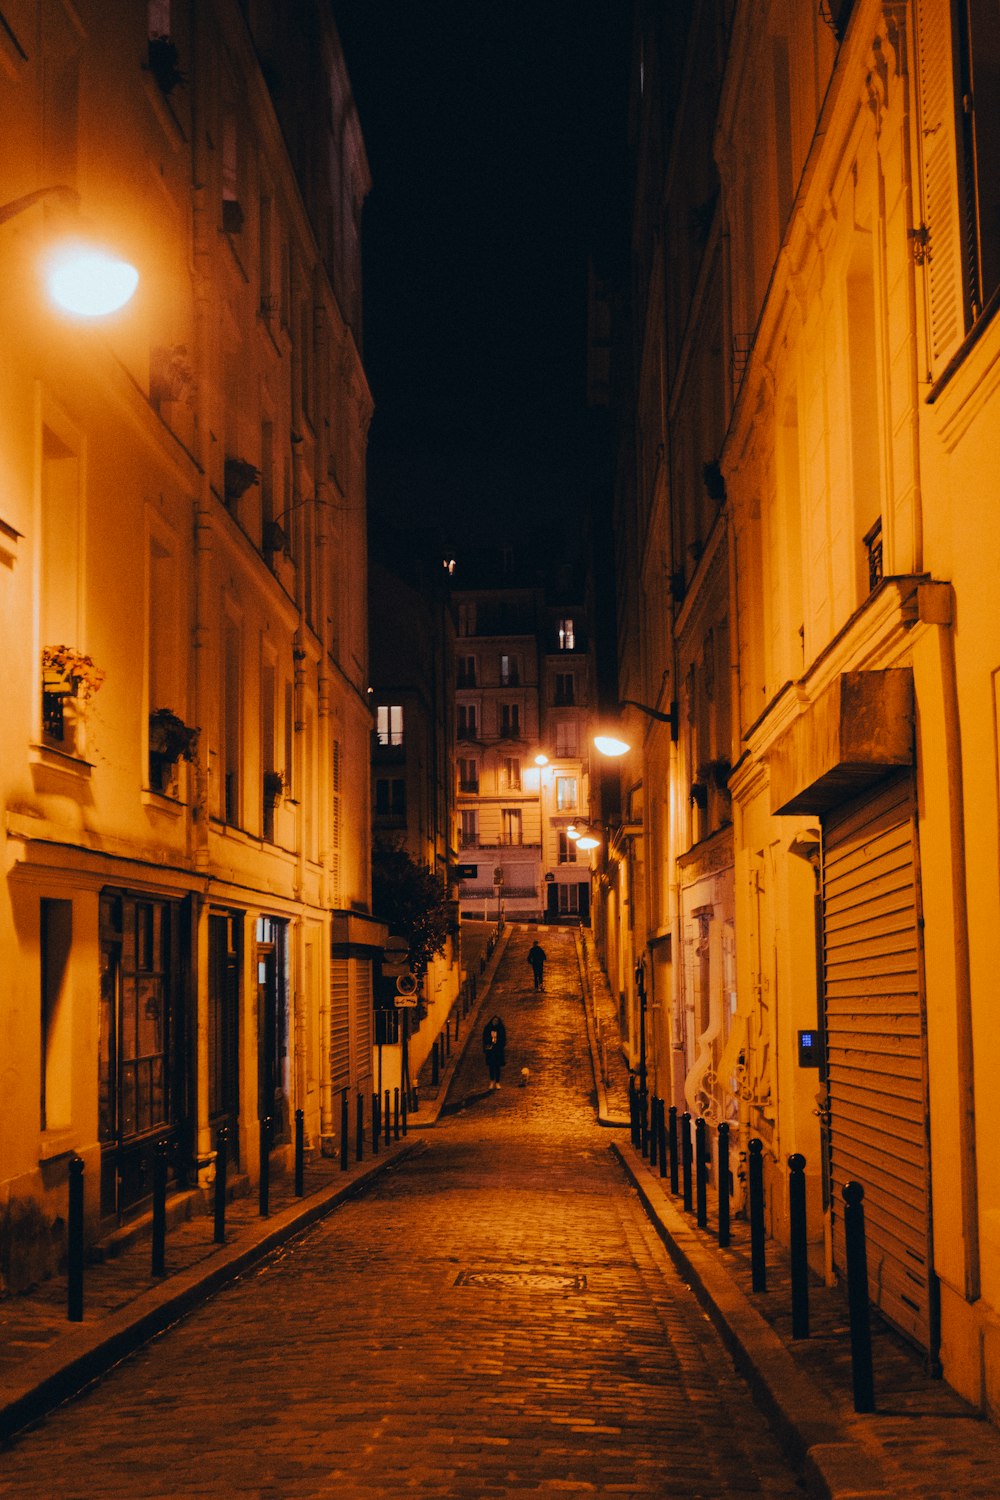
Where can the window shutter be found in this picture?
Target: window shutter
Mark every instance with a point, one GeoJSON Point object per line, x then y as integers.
{"type": "Point", "coordinates": [940, 181]}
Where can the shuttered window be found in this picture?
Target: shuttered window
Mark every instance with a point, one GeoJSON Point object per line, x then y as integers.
{"type": "Point", "coordinates": [876, 1049]}
{"type": "Point", "coordinates": [940, 157]}
{"type": "Point", "coordinates": [340, 1024]}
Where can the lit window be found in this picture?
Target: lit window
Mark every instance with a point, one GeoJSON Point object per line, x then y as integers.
{"type": "Point", "coordinates": [389, 724]}
{"type": "Point", "coordinates": [510, 674]}
{"type": "Point", "coordinates": [567, 850]}
{"type": "Point", "coordinates": [469, 832]}
{"type": "Point", "coordinates": [565, 793]}
{"type": "Point", "coordinates": [511, 825]}
{"type": "Point", "coordinates": [567, 740]}
{"type": "Point", "coordinates": [567, 636]}
{"type": "Point", "coordinates": [511, 774]}
{"type": "Point", "coordinates": [568, 900]}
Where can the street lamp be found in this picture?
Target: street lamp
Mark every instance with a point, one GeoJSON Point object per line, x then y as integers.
{"type": "Point", "coordinates": [614, 744]}
{"type": "Point", "coordinates": [82, 278]}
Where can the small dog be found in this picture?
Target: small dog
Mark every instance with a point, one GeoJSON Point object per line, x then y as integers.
{"type": "Point", "coordinates": [525, 1075]}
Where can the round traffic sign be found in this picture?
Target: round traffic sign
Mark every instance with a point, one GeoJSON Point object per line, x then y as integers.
{"type": "Point", "coordinates": [406, 984]}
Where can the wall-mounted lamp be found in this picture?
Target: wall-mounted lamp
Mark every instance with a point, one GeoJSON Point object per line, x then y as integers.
{"type": "Point", "coordinates": [81, 278]}
{"type": "Point", "coordinates": [615, 744]}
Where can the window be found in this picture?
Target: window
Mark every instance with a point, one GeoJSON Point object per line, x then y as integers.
{"type": "Point", "coordinates": [567, 739]}
{"type": "Point", "coordinates": [564, 689]}
{"type": "Point", "coordinates": [468, 774]}
{"type": "Point", "coordinates": [510, 721]}
{"type": "Point", "coordinates": [469, 830]}
{"type": "Point", "coordinates": [510, 671]}
{"type": "Point", "coordinates": [510, 822]}
{"type": "Point", "coordinates": [565, 793]}
{"type": "Point", "coordinates": [568, 900]}
{"type": "Point", "coordinates": [466, 619]}
{"type": "Point", "coordinates": [567, 849]}
{"type": "Point", "coordinates": [980, 123]}
{"type": "Point", "coordinates": [510, 773]}
{"type": "Point", "coordinates": [389, 724]}
{"type": "Point", "coordinates": [567, 636]}
{"type": "Point", "coordinates": [466, 671]}
{"type": "Point", "coordinates": [467, 721]}
{"type": "Point", "coordinates": [390, 796]}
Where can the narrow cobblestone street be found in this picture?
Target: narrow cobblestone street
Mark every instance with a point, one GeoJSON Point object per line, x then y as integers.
{"type": "Point", "coordinates": [495, 1317]}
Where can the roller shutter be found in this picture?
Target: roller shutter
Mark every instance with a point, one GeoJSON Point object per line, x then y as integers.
{"type": "Point", "coordinates": [340, 1024]}
{"type": "Point", "coordinates": [876, 1049]}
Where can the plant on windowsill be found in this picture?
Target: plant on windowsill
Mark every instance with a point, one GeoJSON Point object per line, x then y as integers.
{"type": "Point", "coordinates": [66, 673]}
{"type": "Point", "coordinates": [275, 787]}
{"type": "Point", "coordinates": [170, 740]}
{"type": "Point", "coordinates": [164, 64]}
{"type": "Point", "coordinates": [238, 477]}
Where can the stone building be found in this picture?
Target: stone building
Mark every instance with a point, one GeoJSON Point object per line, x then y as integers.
{"type": "Point", "coordinates": [184, 753]}
{"type": "Point", "coordinates": [811, 406]}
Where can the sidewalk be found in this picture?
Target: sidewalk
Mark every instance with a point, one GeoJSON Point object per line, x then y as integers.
{"type": "Point", "coordinates": [923, 1440]}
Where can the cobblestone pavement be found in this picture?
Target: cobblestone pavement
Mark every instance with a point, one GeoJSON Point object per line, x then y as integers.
{"type": "Point", "coordinates": [493, 1317]}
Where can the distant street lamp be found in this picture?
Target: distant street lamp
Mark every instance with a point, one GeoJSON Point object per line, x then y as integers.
{"type": "Point", "coordinates": [615, 744]}
{"type": "Point", "coordinates": [82, 278]}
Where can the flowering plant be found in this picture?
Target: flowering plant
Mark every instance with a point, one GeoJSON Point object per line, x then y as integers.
{"type": "Point", "coordinates": [69, 673]}
{"type": "Point", "coordinates": [170, 738]}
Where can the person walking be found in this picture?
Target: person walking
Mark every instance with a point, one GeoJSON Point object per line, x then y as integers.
{"type": "Point", "coordinates": [495, 1048]}
{"type": "Point", "coordinates": [536, 958]}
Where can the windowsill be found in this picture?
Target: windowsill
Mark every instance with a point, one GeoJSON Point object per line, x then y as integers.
{"type": "Point", "coordinates": [59, 760]}
{"type": "Point", "coordinates": [54, 1143]}
{"type": "Point", "coordinates": [173, 807]}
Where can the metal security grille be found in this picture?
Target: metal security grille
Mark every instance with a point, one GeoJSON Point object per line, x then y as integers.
{"type": "Point", "coordinates": [876, 1049]}
{"type": "Point", "coordinates": [340, 1024]}
{"type": "Point", "coordinates": [362, 985]}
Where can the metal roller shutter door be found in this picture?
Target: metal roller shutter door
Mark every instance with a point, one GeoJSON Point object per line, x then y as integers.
{"type": "Point", "coordinates": [340, 1024]}
{"type": "Point", "coordinates": [876, 1049]}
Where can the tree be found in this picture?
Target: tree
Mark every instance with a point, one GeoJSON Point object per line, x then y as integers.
{"type": "Point", "coordinates": [411, 900]}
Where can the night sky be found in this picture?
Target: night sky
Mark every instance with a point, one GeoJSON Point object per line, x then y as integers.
{"type": "Point", "coordinates": [496, 133]}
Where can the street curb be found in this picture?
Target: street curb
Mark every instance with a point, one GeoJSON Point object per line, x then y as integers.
{"type": "Point", "coordinates": [605, 1116]}
{"type": "Point", "coordinates": [80, 1357]}
{"type": "Point", "coordinates": [833, 1465]}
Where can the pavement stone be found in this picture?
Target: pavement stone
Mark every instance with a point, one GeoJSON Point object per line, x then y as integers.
{"type": "Point", "coordinates": [356, 1360]}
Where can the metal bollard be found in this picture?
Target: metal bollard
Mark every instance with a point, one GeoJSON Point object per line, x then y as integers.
{"type": "Point", "coordinates": [723, 1184]}
{"type": "Point", "coordinates": [387, 1118]}
{"type": "Point", "coordinates": [359, 1128]}
{"type": "Point", "coordinates": [654, 1133]}
{"type": "Point", "coordinates": [376, 1124]}
{"type": "Point", "coordinates": [661, 1126]}
{"type": "Point", "coordinates": [686, 1154]}
{"type": "Point", "coordinates": [798, 1245]}
{"type": "Point", "coordinates": [395, 1114]}
{"type": "Point", "coordinates": [403, 1109]}
{"type": "Point", "coordinates": [300, 1153]}
{"type": "Point", "coordinates": [74, 1246]}
{"type": "Point", "coordinates": [435, 1065]}
{"type": "Point", "coordinates": [221, 1169]}
{"type": "Point", "coordinates": [159, 1267]}
{"type": "Point", "coordinates": [700, 1173]}
{"type": "Point", "coordinates": [633, 1110]}
{"type": "Point", "coordinates": [447, 1036]}
{"type": "Point", "coordinates": [755, 1172]}
{"type": "Point", "coordinates": [344, 1144]}
{"type": "Point", "coordinates": [672, 1147]}
{"type": "Point", "coordinates": [857, 1297]}
{"type": "Point", "coordinates": [265, 1166]}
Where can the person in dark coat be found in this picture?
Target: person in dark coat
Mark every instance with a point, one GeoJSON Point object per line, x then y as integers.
{"type": "Point", "coordinates": [495, 1048]}
{"type": "Point", "coordinates": [536, 958]}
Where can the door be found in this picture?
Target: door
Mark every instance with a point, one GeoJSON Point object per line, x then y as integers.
{"type": "Point", "coordinates": [223, 1028]}
{"type": "Point", "coordinates": [272, 1026]}
{"type": "Point", "coordinates": [142, 1081]}
{"type": "Point", "coordinates": [876, 1050]}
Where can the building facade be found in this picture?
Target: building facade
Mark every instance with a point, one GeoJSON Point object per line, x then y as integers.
{"type": "Point", "coordinates": [811, 410]}
{"type": "Point", "coordinates": [524, 704]}
{"type": "Point", "coordinates": [184, 759]}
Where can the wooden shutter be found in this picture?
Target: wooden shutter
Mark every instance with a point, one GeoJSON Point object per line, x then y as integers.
{"type": "Point", "coordinates": [941, 204]}
{"type": "Point", "coordinates": [876, 1049]}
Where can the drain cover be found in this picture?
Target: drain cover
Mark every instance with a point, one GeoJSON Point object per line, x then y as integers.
{"type": "Point", "coordinates": [537, 1281]}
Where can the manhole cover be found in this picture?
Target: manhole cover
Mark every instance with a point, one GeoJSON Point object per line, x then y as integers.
{"type": "Point", "coordinates": [538, 1281]}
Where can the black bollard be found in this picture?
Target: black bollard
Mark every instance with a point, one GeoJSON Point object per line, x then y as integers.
{"type": "Point", "coordinates": [300, 1153]}
{"type": "Point", "coordinates": [447, 1036]}
{"type": "Point", "coordinates": [686, 1154]}
{"type": "Point", "coordinates": [672, 1147]}
{"type": "Point", "coordinates": [798, 1246]}
{"type": "Point", "coordinates": [700, 1172]}
{"type": "Point", "coordinates": [403, 1109]}
{"type": "Point", "coordinates": [344, 1143]}
{"type": "Point", "coordinates": [221, 1166]}
{"type": "Point", "coordinates": [435, 1065]}
{"type": "Point", "coordinates": [857, 1297]}
{"type": "Point", "coordinates": [661, 1126]}
{"type": "Point", "coordinates": [395, 1114]}
{"type": "Point", "coordinates": [359, 1128]}
{"type": "Point", "coordinates": [633, 1110]}
{"type": "Point", "coordinates": [376, 1127]}
{"type": "Point", "coordinates": [160, 1151]}
{"type": "Point", "coordinates": [264, 1206]}
{"type": "Point", "coordinates": [74, 1246]}
{"type": "Point", "coordinates": [387, 1118]}
{"type": "Point", "coordinates": [723, 1184]}
{"type": "Point", "coordinates": [755, 1170]}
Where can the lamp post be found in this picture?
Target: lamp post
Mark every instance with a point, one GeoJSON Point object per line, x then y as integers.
{"type": "Point", "coordinates": [82, 278]}
{"type": "Point", "coordinates": [614, 745]}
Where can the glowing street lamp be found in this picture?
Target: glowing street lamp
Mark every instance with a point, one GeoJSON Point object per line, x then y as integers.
{"type": "Point", "coordinates": [614, 744]}
{"type": "Point", "coordinates": [82, 279]}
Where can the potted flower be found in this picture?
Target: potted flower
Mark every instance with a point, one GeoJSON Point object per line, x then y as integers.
{"type": "Point", "coordinates": [274, 787]}
{"type": "Point", "coordinates": [170, 740]}
{"type": "Point", "coordinates": [68, 673]}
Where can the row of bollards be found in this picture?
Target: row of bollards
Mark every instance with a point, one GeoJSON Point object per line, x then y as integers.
{"type": "Point", "coordinates": [678, 1146]}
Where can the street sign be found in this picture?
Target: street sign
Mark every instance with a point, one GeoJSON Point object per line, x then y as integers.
{"type": "Point", "coordinates": [468, 872]}
{"type": "Point", "coordinates": [405, 1002]}
{"type": "Point", "coordinates": [395, 957]}
{"type": "Point", "coordinates": [406, 991]}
